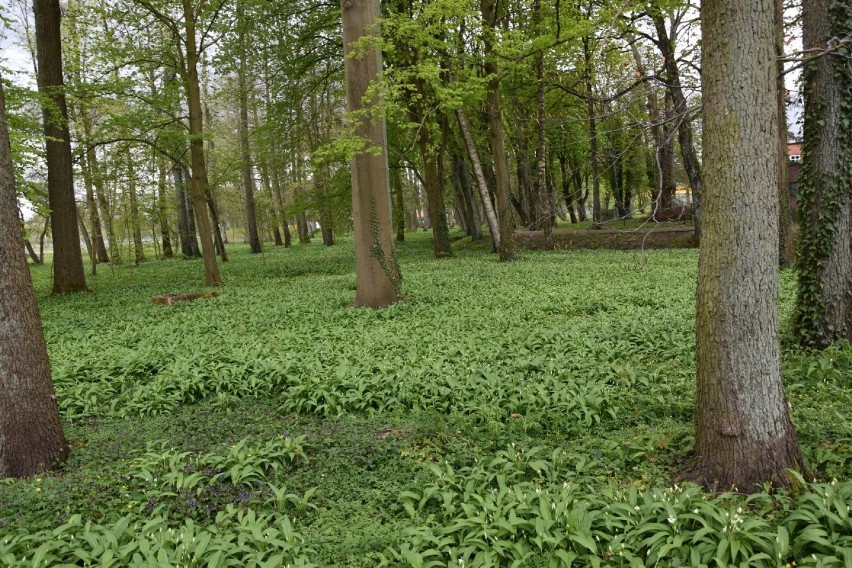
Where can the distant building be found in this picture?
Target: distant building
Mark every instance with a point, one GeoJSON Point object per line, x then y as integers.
{"type": "Point", "coordinates": [794, 162]}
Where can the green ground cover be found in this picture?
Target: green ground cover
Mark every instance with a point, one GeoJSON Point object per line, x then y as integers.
{"type": "Point", "coordinates": [529, 414]}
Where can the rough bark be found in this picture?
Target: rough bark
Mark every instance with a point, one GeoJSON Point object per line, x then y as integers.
{"type": "Point", "coordinates": [31, 437]}
{"type": "Point", "coordinates": [189, 74]}
{"type": "Point", "coordinates": [68, 273]}
{"type": "Point", "coordinates": [377, 273]}
{"type": "Point", "coordinates": [824, 302]}
{"type": "Point", "coordinates": [506, 246]}
{"type": "Point", "coordinates": [744, 436]}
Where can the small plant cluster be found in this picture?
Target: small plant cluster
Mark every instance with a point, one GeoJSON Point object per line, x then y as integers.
{"type": "Point", "coordinates": [237, 537]}
{"type": "Point", "coordinates": [177, 489]}
{"type": "Point", "coordinates": [514, 511]}
{"type": "Point", "coordinates": [200, 485]}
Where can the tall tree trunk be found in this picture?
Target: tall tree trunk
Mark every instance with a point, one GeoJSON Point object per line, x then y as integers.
{"type": "Point", "coordinates": [398, 202]}
{"type": "Point", "coordinates": [684, 121]}
{"type": "Point", "coordinates": [31, 437]}
{"type": "Point", "coordinates": [68, 273]}
{"type": "Point", "coordinates": [567, 194]}
{"type": "Point", "coordinates": [597, 214]}
{"type": "Point", "coordinates": [88, 242]}
{"type": "Point", "coordinates": [744, 436]}
{"type": "Point", "coordinates": [245, 151]}
{"type": "Point", "coordinates": [824, 302]}
{"type": "Point", "coordinates": [278, 197]}
{"type": "Point", "coordinates": [91, 204]}
{"type": "Point", "coordinates": [465, 196]}
{"type": "Point", "coordinates": [161, 211]}
{"type": "Point", "coordinates": [479, 176]}
{"type": "Point", "coordinates": [139, 251]}
{"type": "Point", "coordinates": [544, 213]}
{"type": "Point", "coordinates": [506, 246]}
{"type": "Point", "coordinates": [377, 273]}
{"type": "Point", "coordinates": [665, 157]}
{"type": "Point", "coordinates": [27, 244]}
{"type": "Point", "coordinates": [196, 147]}
{"type": "Point", "coordinates": [786, 246]}
{"type": "Point", "coordinates": [433, 184]}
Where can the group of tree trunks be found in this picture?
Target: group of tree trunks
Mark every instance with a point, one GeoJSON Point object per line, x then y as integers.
{"type": "Point", "coordinates": [744, 436]}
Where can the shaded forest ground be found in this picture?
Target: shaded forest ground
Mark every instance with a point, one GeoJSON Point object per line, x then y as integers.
{"type": "Point", "coordinates": [527, 414]}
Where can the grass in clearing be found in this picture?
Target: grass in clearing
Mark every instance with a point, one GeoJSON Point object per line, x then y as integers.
{"type": "Point", "coordinates": [526, 414]}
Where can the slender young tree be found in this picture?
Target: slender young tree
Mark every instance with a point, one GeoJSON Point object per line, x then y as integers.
{"type": "Point", "coordinates": [824, 303]}
{"type": "Point", "coordinates": [31, 437]}
{"type": "Point", "coordinates": [496, 140]}
{"type": "Point", "coordinates": [377, 273]}
{"type": "Point", "coordinates": [744, 436]}
{"type": "Point", "coordinates": [68, 273]}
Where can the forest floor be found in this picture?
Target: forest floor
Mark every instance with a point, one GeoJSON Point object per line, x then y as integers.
{"type": "Point", "coordinates": [523, 414]}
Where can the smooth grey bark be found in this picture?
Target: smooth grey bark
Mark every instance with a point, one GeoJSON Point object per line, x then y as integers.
{"type": "Point", "coordinates": [377, 273]}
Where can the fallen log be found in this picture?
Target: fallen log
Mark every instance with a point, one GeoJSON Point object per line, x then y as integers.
{"type": "Point", "coordinates": [169, 299]}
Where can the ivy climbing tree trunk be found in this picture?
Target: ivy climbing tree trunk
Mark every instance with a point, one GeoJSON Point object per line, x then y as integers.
{"type": "Point", "coordinates": [68, 273]}
{"type": "Point", "coordinates": [31, 437]}
{"type": "Point", "coordinates": [824, 302]}
{"type": "Point", "coordinates": [743, 433]}
{"type": "Point", "coordinates": [376, 270]}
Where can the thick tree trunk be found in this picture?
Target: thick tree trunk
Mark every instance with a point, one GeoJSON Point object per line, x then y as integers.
{"type": "Point", "coordinates": [68, 273]}
{"type": "Point", "coordinates": [824, 302]}
{"type": "Point", "coordinates": [196, 147]}
{"type": "Point", "coordinates": [377, 273]}
{"type": "Point", "coordinates": [31, 437]}
{"type": "Point", "coordinates": [506, 246]}
{"type": "Point", "coordinates": [744, 436]}
{"type": "Point", "coordinates": [665, 159]}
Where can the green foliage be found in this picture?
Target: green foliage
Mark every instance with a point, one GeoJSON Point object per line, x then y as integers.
{"type": "Point", "coordinates": [203, 414]}
{"type": "Point", "coordinates": [516, 510]}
